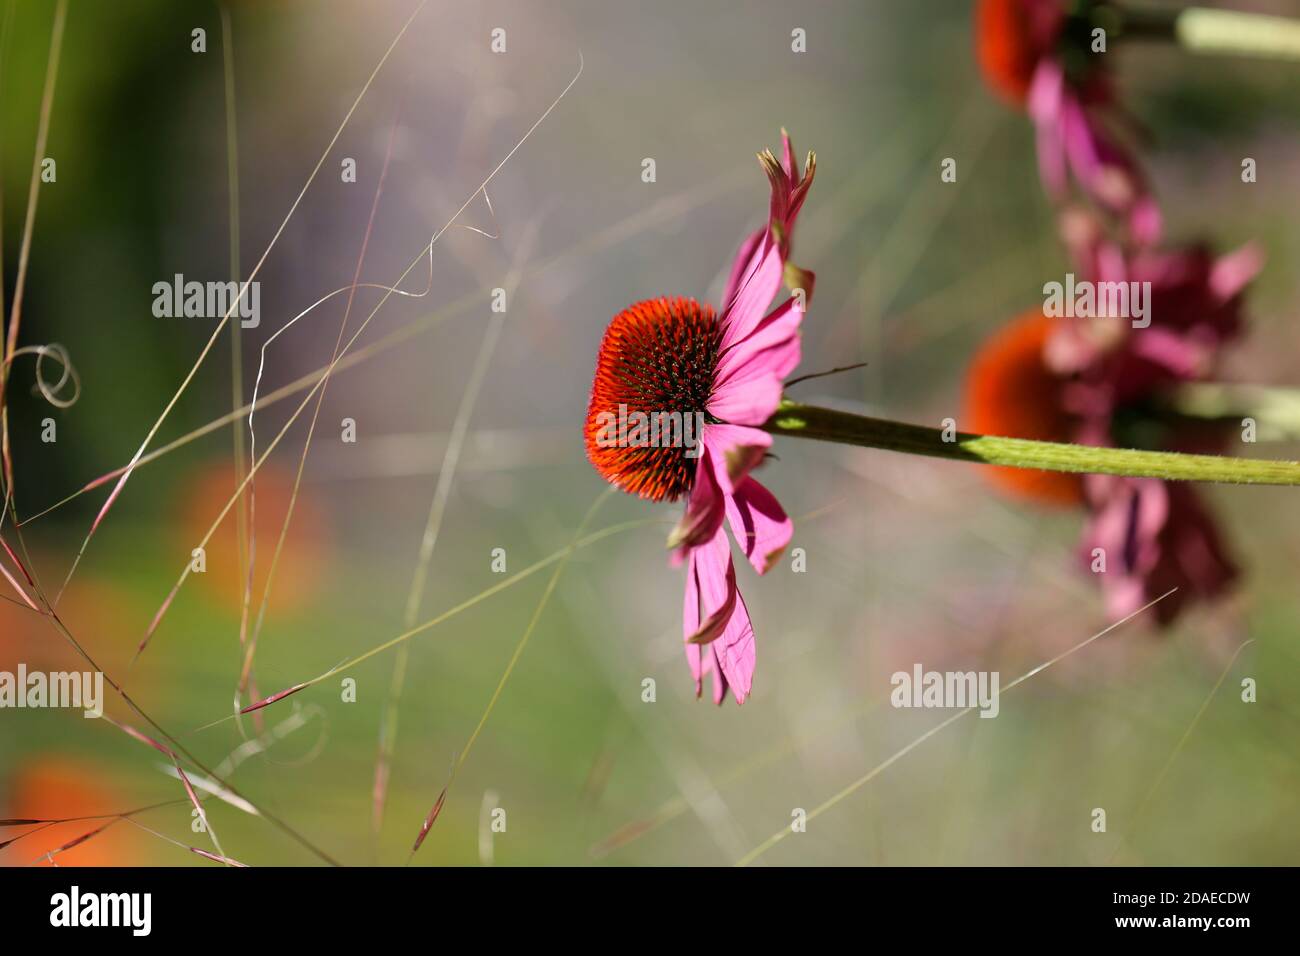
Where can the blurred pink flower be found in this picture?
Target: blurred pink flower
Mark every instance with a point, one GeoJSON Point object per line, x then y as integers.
{"type": "Point", "coordinates": [1194, 309]}
{"type": "Point", "coordinates": [1038, 55]}
{"type": "Point", "coordinates": [1155, 535]}
{"type": "Point", "coordinates": [1073, 142]}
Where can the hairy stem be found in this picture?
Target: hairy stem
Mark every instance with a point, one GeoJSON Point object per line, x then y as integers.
{"type": "Point", "coordinates": [824, 424]}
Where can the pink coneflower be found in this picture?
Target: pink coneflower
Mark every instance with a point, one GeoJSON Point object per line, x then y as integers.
{"type": "Point", "coordinates": [1098, 382]}
{"type": "Point", "coordinates": [1037, 54]}
{"type": "Point", "coordinates": [1195, 310]}
{"type": "Point", "coordinates": [1157, 535]}
{"type": "Point", "coordinates": [678, 357]}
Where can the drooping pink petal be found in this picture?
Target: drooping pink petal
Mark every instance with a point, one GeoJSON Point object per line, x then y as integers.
{"type": "Point", "coordinates": [759, 524]}
{"type": "Point", "coordinates": [1145, 220]}
{"type": "Point", "coordinates": [722, 633]}
{"type": "Point", "coordinates": [714, 666]}
{"type": "Point", "coordinates": [704, 507]}
{"type": "Point", "coordinates": [715, 576]}
{"type": "Point", "coordinates": [1233, 272]}
{"type": "Point", "coordinates": [1180, 355]}
{"type": "Point", "coordinates": [1127, 517]}
{"type": "Point", "coordinates": [1082, 146]}
{"type": "Point", "coordinates": [695, 655]}
{"type": "Point", "coordinates": [734, 451]}
{"type": "Point", "coordinates": [734, 653]}
{"type": "Point", "coordinates": [1157, 537]}
{"type": "Point", "coordinates": [1046, 91]}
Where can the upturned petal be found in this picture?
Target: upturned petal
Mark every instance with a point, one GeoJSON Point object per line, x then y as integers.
{"type": "Point", "coordinates": [779, 329]}
{"type": "Point", "coordinates": [755, 290]}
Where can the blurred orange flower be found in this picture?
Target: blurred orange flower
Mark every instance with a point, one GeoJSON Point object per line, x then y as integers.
{"type": "Point", "coordinates": [1011, 392]}
{"type": "Point", "coordinates": [101, 614]}
{"type": "Point", "coordinates": [1007, 46]}
{"type": "Point", "coordinates": [302, 563]}
{"type": "Point", "coordinates": [58, 788]}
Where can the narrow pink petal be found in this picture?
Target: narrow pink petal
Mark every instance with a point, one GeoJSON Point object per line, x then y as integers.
{"type": "Point", "coordinates": [1082, 147]}
{"type": "Point", "coordinates": [776, 329]}
{"type": "Point", "coordinates": [743, 264]}
{"type": "Point", "coordinates": [716, 575]}
{"type": "Point", "coordinates": [705, 506]}
{"type": "Point", "coordinates": [1234, 271]}
{"type": "Point", "coordinates": [735, 651]}
{"type": "Point", "coordinates": [1180, 354]}
{"type": "Point", "coordinates": [1146, 222]}
{"type": "Point", "coordinates": [756, 291]}
{"type": "Point", "coordinates": [1044, 104]}
{"type": "Point", "coordinates": [1111, 264]}
{"type": "Point", "coordinates": [787, 157]}
{"type": "Point", "coordinates": [719, 678]}
{"type": "Point", "coordinates": [734, 450]}
{"type": "Point", "coordinates": [727, 628]}
{"type": "Point", "coordinates": [748, 398]}
{"type": "Point", "coordinates": [748, 393]}
{"type": "Point", "coordinates": [691, 625]}
{"type": "Point", "coordinates": [759, 523]}
{"type": "Point", "coordinates": [795, 187]}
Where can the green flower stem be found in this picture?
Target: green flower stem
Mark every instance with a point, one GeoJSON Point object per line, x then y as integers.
{"type": "Point", "coordinates": [1217, 32]}
{"type": "Point", "coordinates": [1233, 33]}
{"type": "Point", "coordinates": [1276, 411]}
{"type": "Point", "coordinates": [824, 424]}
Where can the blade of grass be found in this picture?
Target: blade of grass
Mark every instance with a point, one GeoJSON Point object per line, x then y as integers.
{"type": "Point", "coordinates": [585, 542]}
{"type": "Point", "coordinates": [29, 225]}
{"type": "Point", "coordinates": [251, 647]}
{"type": "Point", "coordinates": [871, 774]}
{"type": "Point", "coordinates": [432, 528]}
{"type": "Point", "coordinates": [392, 290]}
{"type": "Point", "coordinates": [126, 474]}
{"type": "Point", "coordinates": [463, 755]}
{"type": "Point", "coordinates": [1136, 818]}
{"type": "Point", "coordinates": [236, 328]}
{"type": "Point", "coordinates": [664, 211]}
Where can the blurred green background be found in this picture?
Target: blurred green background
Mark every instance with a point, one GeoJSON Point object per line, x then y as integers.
{"type": "Point", "coordinates": [908, 560]}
